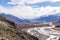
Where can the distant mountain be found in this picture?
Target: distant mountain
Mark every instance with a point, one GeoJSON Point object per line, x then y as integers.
{"type": "Point", "coordinates": [13, 18]}
{"type": "Point", "coordinates": [49, 18]}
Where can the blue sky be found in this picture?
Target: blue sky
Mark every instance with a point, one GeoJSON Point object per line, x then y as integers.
{"type": "Point", "coordinates": [5, 4]}
{"type": "Point", "coordinates": [36, 5]}
{"type": "Point", "coordinates": [30, 9]}
{"type": "Point", "coordinates": [44, 4]}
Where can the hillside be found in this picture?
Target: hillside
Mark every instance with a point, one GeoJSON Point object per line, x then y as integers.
{"type": "Point", "coordinates": [9, 31]}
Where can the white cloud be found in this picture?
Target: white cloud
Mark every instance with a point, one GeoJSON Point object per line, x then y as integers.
{"type": "Point", "coordinates": [2, 9]}
{"type": "Point", "coordinates": [54, 0]}
{"type": "Point", "coordinates": [30, 1]}
{"type": "Point", "coordinates": [24, 1]}
{"type": "Point", "coordinates": [27, 12]}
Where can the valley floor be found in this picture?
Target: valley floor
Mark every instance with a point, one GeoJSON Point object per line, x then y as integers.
{"type": "Point", "coordinates": [44, 33]}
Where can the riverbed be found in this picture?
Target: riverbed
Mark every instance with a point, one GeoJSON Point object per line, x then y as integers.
{"type": "Point", "coordinates": [44, 33]}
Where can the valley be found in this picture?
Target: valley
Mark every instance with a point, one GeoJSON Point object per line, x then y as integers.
{"type": "Point", "coordinates": [44, 33]}
{"type": "Point", "coordinates": [11, 30]}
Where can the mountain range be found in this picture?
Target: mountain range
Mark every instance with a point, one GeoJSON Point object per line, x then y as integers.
{"type": "Point", "coordinates": [13, 18]}
{"type": "Point", "coordinates": [49, 18]}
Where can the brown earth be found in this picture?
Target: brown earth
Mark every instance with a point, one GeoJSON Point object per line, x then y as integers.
{"type": "Point", "coordinates": [9, 31]}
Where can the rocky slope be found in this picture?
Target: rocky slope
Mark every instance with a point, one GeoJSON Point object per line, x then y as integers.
{"type": "Point", "coordinates": [9, 31]}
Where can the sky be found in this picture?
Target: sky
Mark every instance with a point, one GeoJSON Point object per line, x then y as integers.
{"type": "Point", "coordinates": [29, 9]}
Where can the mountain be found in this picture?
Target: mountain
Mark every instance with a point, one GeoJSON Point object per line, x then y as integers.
{"type": "Point", "coordinates": [9, 31]}
{"type": "Point", "coordinates": [49, 18]}
{"type": "Point", "coordinates": [13, 18]}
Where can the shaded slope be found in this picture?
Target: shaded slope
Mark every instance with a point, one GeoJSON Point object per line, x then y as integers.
{"type": "Point", "coordinates": [9, 31]}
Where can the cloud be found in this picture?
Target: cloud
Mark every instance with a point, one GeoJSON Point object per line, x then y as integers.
{"type": "Point", "coordinates": [44, 4]}
{"type": "Point", "coordinates": [54, 0]}
{"type": "Point", "coordinates": [27, 12]}
{"type": "Point", "coordinates": [2, 9]}
{"type": "Point", "coordinates": [24, 1]}
{"type": "Point", "coordinates": [30, 1]}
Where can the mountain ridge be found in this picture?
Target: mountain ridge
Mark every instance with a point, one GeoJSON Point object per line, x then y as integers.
{"type": "Point", "coordinates": [49, 18]}
{"type": "Point", "coordinates": [13, 18]}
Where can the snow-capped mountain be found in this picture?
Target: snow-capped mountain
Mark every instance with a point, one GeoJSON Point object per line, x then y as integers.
{"type": "Point", "coordinates": [49, 18]}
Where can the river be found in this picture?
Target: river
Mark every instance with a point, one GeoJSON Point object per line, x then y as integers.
{"type": "Point", "coordinates": [53, 34]}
